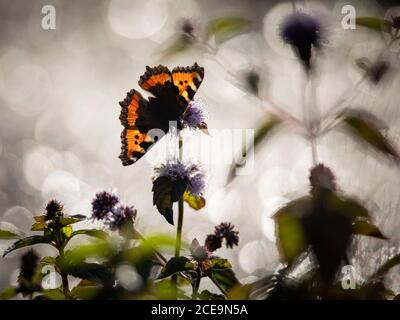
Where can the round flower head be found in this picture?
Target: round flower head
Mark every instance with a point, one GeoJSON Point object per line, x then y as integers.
{"type": "Point", "coordinates": [321, 177]}
{"type": "Point", "coordinates": [29, 263]}
{"type": "Point", "coordinates": [103, 204]}
{"type": "Point", "coordinates": [225, 230]}
{"type": "Point", "coordinates": [213, 242]}
{"type": "Point", "coordinates": [302, 31]}
{"type": "Point", "coordinates": [195, 115]}
{"type": "Point", "coordinates": [53, 209]}
{"type": "Point", "coordinates": [120, 214]}
{"type": "Point", "coordinates": [179, 170]}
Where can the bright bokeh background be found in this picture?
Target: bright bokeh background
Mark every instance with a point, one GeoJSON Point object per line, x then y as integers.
{"type": "Point", "coordinates": [59, 126]}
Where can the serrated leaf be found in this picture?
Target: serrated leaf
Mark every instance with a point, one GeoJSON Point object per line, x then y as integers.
{"type": "Point", "coordinates": [374, 23]}
{"type": "Point", "coordinates": [25, 242]}
{"type": "Point", "coordinates": [39, 218]}
{"type": "Point", "coordinates": [8, 235]}
{"type": "Point", "coordinates": [194, 201]}
{"type": "Point", "coordinates": [65, 221]}
{"type": "Point", "coordinates": [38, 226]}
{"type": "Point", "coordinates": [227, 27]}
{"type": "Point", "coordinates": [218, 263]}
{"type": "Point", "coordinates": [364, 129]}
{"type": "Point", "coordinates": [366, 228]}
{"type": "Point", "coordinates": [175, 265]}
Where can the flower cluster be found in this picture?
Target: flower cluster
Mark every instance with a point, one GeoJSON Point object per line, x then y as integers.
{"type": "Point", "coordinates": [195, 115]}
{"type": "Point", "coordinates": [192, 173]}
{"type": "Point", "coordinates": [53, 209]}
{"type": "Point", "coordinates": [107, 207]}
{"type": "Point", "coordinates": [223, 231]}
{"type": "Point", "coordinates": [302, 31]}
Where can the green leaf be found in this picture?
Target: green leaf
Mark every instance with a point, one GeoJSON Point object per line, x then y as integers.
{"type": "Point", "coordinates": [8, 293]}
{"type": "Point", "coordinates": [90, 271]}
{"type": "Point", "coordinates": [40, 218]}
{"type": "Point", "coordinates": [218, 263]}
{"type": "Point", "coordinates": [207, 295]}
{"type": "Point", "coordinates": [86, 292]}
{"type": "Point", "coordinates": [177, 46]}
{"type": "Point", "coordinates": [366, 228]}
{"type": "Point", "coordinates": [67, 231]}
{"type": "Point", "coordinates": [389, 264]}
{"type": "Point", "coordinates": [227, 27]}
{"type": "Point", "coordinates": [261, 134]}
{"type": "Point", "coordinates": [29, 241]}
{"type": "Point", "coordinates": [290, 233]}
{"type": "Point", "coordinates": [38, 226]}
{"type": "Point", "coordinates": [54, 294]}
{"type": "Point", "coordinates": [165, 193]}
{"type": "Point", "coordinates": [7, 235]}
{"type": "Point", "coordinates": [363, 128]}
{"type": "Point", "coordinates": [48, 261]}
{"type": "Point", "coordinates": [226, 278]}
{"type": "Point", "coordinates": [374, 23]}
{"type": "Point", "coordinates": [100, 234]}
{"type": "Point", "coordinates": [252, 79]}
{"type": "Point", "coordinates": [240, 292]}
{"type": "Point", "coordinates": [175, 265]}
{"type": "Point", "coordinates": [196, 202]}
{"type": "Point", "coordinates": [65, 221]}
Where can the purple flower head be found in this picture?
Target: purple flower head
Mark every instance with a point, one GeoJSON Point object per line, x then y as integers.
{"type": "Point", "coordinates": [180, 170]}
{"type": "Point", "coordinates": [225, 230]}
{"type": "Point", "coordinates": [322, 177]}
{"type": "Point", "coordinates": [396, 22]}
{"type": "Point", "coordinates": [103, 204]}
{"type": "Point", "coordinates": [195, 115]}
{"type": "Point", "coordinates": [302, 31]}
{"type": "Point", "coordinates": [213, 242]}
{"type": "Point", "coordinates": [29, 264]}
{"type": "Point", "coordinates": [119, 215]}
{"type": "Point", "coordinates": [53, 209]}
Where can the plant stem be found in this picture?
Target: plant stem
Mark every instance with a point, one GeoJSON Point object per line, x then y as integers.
{"type": "Point", "coordinates": [64, 276]}
{"type": "Point", "coordinates": [180, 210]}
{"type": "Point", "coordinates": [197, 284]}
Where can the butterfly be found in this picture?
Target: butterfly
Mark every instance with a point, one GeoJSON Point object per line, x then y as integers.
{"type": "Point", "coordinates": [171, 93]}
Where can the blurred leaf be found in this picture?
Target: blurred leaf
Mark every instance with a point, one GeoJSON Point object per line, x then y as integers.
{"type": "Point", "coordinates": [207, 295]}
{"type": "Point", "coordinates": [225, 278]}
{"type": "Point", "coordinates": [389, 264]}
{"type": "Point", "coordinates": [38, 226]}
{"type": "Point", "coordinates": [8, 293]}
{"type": "Point", "coordinates": [100, 234]}
{"type": "Point", "coordinates": [65, 221]}
{"type": "Point", "coordinates": [39, 218]}
{"type": "Point", "coordinates": [25, 242]}
{"type": "Point", "coordinates": [177, 46]}
{"type": "Point", "coordinates": [99, 248]}
{"type": "Point", "coordinates": [165, 193]}
{"type": "Point", "coordinates": [196, 202]}
{"type": "Point", "coordinates": [290, 233]}
{"type": "Point", "coordinates": [260, 135]}
{"type": "Point", "coordinates": [91, 271]}
{"type": "Point", "coordinates": [253, 81]}
{"type": "Point", "coordinates": [227, 27]}
{"type": "Point", "coordinates": [366, 228]}
{"type": "Point", "coordinates": [6, 235]}
{"type": "Point", "coordinates": [374, 23]}
{"type": "Point", "coordinates": [48, 261]}
{"type": "Point", "coordinates": [175, 265]}
{"type": "Point", "coordinates": [86, 292]}
{"type": "Point", "coordinates": [367, 131]}
{"type": "Point", "coordinates": [54, 294]}
{"type": "Point", "coordinates": [239, 292]}
{"type": "Point", "coordinates": [364, 64]}
{"type": "Point", "coordinates": [67, 231]}
{"type": "Point", "coordinates": [218, 263]}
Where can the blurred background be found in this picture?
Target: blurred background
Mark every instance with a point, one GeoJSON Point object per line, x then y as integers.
{"type": "Point", "coordinates": [60, 132]}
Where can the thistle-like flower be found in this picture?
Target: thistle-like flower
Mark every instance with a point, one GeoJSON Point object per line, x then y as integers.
{"type": "Point", "coordinates": [103, 204]}
{"type": "Point", "coordinates": [213, 242]}
{"type": "Point", "coordinates": [195, 116]}
{"type": "Point", "coordinates": [226, 231]}
{"type": "Point", "coordinates": [53, 210]}
{"type": "Point", "coordinates": [119, 215]}
{"type": "Point", "coordinates": [178, 170]}
{"type": "Point", "coordinates": [302, 31]}
{"type": "Point", "coordinates": [322, 177]}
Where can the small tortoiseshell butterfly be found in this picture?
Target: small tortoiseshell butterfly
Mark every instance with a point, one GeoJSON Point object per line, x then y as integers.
{"type": "Point", "coordinates": [172, 92]}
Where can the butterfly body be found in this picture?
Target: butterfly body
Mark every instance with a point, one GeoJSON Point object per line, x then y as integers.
{"type": "Point", "coordinates": [172, 92]}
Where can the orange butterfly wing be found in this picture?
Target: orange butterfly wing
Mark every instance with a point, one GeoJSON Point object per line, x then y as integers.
{"type": "Point", "coordinates": [188, 80]}
{"type": "Point", "coordinates": [154, 77]}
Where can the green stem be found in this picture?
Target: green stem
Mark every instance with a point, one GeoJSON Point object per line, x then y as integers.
{"type": "Point", "coordinates": [197, 284]}
{"type": "Point", "coordinates": [64, 275]}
